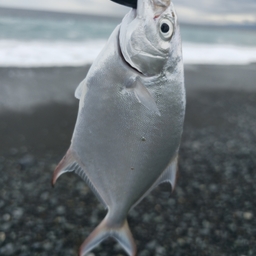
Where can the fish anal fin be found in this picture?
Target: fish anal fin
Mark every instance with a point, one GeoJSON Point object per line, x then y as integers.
{"type": "Point", "coordinates": [143, 95]}
{"type": "Point", "coordinates": [70, 163]}
{"type": "Point", "coordinates": [105, 229]}
{"type": "Point", "coordinates": [170, 173]}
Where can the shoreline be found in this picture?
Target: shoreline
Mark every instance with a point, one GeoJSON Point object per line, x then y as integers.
{"type": "Point", "coordinates": [26, 88]}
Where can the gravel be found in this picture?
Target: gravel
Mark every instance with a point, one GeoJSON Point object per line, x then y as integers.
{"type": "Point", "coordinates": [211, 212]}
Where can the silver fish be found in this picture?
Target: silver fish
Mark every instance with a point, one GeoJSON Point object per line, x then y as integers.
{"type": "Point", "coordinates": [130, 120]}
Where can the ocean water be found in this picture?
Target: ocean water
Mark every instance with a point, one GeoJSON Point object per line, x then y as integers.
{"type": "Point", "coordinates": [29, 39]}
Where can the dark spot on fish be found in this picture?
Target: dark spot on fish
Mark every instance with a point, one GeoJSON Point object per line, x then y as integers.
{"type": "Point", "coordinates": [165, 28]}
{"type": "Point", "coordinates": [143, 139]}
{"type": "Point", "coordinates": [132, 168]}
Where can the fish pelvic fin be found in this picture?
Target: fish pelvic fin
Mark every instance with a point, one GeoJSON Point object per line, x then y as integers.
{"type": "Point", "coordinates": [121, 233]}
{"type": "Point", "coordinates": [70, 163]}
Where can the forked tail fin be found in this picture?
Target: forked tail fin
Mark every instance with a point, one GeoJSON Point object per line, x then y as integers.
{"type": "Point", "coordinates": [104, 230]}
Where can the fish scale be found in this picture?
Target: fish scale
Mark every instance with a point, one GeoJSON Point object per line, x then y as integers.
{"type": "Point", "coordinates": [129, 125]}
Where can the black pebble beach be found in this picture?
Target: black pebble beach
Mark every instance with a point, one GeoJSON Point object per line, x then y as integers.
{"type": "Point", "coordinates": [212, 211]}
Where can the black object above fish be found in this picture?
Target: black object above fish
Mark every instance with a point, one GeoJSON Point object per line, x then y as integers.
{"type": "Point", "coordinates": [129, 3]}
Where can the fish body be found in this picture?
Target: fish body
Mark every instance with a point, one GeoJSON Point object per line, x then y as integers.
{"type": "Point", "coordinates": [130, 120]}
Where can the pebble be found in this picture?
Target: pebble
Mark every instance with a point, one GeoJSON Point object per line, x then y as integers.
{"type": "Point", "coordinates": [41, 209]}
{"type": "Point", "coordinates": [215, 188]}
{"type": "Point", "coordinates": [144, 253]}
{"type": "Point", "coordinates": [6, 217]}
{"type": "Point", "coordinates": [45, 196]}
{"type": "Point", "coordinates": [181, 241]}
{"type": "Point", "coordinates": [171, 201]}
{"type": "Point", "coordinates": [60, 219]}
{"type": "Point", "coordinates": [79, 211]}
{"type": "Point", "coordinates": [7, 249]}
{"type": "Point", "coordinates": [2, 236]}
{"type": "Point", "coordinates": [158, 219]}
{"type": "Point", "coordinates": [151, 245]}
{"type": "Point", "coordinates": [47, 246]}
{"type": "Point", "coordinates": [160, 250]}
{"type": "Point", "coordinates": [247, 215]}
{"type": "Point", "coordinates": [17, 213]}
{"type": "Point", "coordinates": [13, 151]}
{"type": "Point", "coordinates": [60, 210]}
{"type": "Point", "coordinates": [13, 235]}
{"type": "Point", "coordinates": [26, 161]}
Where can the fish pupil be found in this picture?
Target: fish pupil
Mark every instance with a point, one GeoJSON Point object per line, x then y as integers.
{"type": "Point", "coordinates": [165, 28]}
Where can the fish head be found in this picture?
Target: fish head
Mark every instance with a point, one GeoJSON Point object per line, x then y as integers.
{"type": "Point", "coordinates": [146, 36]}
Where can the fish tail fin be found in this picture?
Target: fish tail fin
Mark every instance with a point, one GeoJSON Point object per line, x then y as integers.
{"type": "Point", "coordinates": [63, 166]}
{"type": "Point", "coordinates": [124, 237]}
{"type": "Point", "coordinates": [105, 229]}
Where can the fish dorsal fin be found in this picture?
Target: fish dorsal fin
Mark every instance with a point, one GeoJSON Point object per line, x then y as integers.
{"type": "Point", "coordinates": [168, 175]}
{"type": "Point", "coordinates": [143, 95]}
{"type": "Point", "coordinates": [80, 88]}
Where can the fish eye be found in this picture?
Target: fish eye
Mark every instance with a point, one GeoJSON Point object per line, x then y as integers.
{"type": "Point", "coordinates": [166, 28]}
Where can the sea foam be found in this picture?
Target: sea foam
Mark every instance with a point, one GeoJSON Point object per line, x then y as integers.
{"type": "Point", "coordinates": [218, 54]}
{"type": "Point", "coordinates": [62, 53]}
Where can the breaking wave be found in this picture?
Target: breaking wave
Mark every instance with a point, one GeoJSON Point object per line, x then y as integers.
{"type": "Point", "coordinates": [62, 53]}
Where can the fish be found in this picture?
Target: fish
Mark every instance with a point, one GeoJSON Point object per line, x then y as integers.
{"type": "Point", "coordinates": [130, 118]}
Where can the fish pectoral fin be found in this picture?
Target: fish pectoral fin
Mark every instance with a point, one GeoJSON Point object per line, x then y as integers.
{"type": "Point", "coordinates": [104, 230]}
{"type": "Point", "coordinates": [170, 173]}
{"type": "Point", "coordinates": [70, 163]}
{"type": "Point", "coordinates": [144, 97]}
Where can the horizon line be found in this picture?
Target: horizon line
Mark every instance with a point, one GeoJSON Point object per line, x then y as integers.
{"type": "Point", "coordinates": [85, 15]}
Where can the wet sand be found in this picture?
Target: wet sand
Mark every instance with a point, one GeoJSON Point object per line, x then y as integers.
{"type": "Point", "coordinates": [211, 212]}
